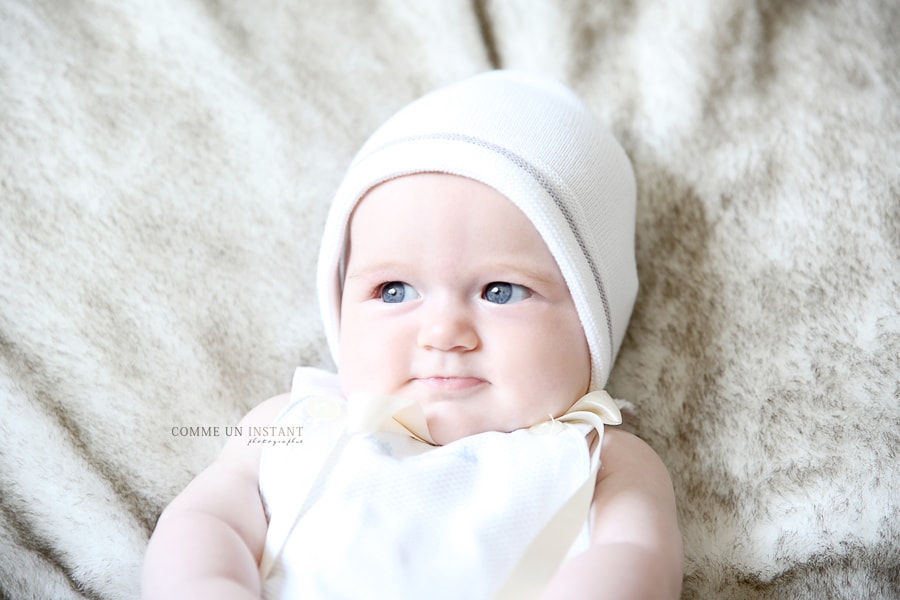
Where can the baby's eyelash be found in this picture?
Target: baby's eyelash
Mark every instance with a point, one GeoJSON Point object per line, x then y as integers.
{"type": "Point", "coordinates": [395, 292]}
{"type": "Point", "coordinates": [504, 292]}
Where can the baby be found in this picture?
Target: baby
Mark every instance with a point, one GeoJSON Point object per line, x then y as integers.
{"type": "Point", "coordinates": [476, 278]}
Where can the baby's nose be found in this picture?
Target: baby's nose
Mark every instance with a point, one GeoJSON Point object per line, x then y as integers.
{"type": "Point", "coordinates": [448, 326]}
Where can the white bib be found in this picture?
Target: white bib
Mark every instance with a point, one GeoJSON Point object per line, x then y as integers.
{"type": "Point", "coordinates": [386, 515]}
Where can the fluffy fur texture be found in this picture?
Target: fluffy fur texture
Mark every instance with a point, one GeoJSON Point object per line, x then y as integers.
{"type": "Point", "coordinates": [166, 168]}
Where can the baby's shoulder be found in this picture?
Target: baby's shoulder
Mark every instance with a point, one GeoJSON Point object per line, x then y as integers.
{"type": "Point", "coordinates": [312, 391]}
{"type": "Point", "coordinates": [315, 396]}
{"type": "Point", "coordinates": [315, 380]}
{"type": "Point", "coordinates": [629, 461]}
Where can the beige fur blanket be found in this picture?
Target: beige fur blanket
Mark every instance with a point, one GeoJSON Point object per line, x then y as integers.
{"type": "Point", "coordinates": [165, 168]}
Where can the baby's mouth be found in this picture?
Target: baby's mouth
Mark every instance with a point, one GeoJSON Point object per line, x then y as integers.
{"type": "Point", "coordinates": [451, 383]}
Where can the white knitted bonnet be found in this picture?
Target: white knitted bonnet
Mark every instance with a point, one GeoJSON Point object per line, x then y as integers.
{"type": "Point", "coordinates": [535, 142]}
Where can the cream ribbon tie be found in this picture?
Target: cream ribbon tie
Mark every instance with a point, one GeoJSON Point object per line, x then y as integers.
{"type": "Point", "coordinates": [370, 413]}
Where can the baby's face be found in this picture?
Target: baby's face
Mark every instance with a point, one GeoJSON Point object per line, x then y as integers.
{"type": "Point", "coordinates": [452, 298]}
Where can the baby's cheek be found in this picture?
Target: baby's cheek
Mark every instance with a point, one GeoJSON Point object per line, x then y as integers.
{"type": "Point", "coordinates": [351, 370]}
{"type": "Point", "coordinates": [362, 371]}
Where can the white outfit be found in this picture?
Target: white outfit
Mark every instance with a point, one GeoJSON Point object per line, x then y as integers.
{"type": "Point", "coordinates": [386, 515]}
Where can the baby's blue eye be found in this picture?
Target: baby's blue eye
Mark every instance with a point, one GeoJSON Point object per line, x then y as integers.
{"type": "Point", "coordinates": [394, 292]}
{"type": "Point", "coordinates": [501, 292]}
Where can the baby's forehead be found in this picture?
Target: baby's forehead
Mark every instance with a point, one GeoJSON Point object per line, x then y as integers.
{"type": "Point", "coordinates": [410, 200]}
{"type": "Point", "coordinates": [438, 203]}
{"type": "Point", "coordinates": [445, 230]}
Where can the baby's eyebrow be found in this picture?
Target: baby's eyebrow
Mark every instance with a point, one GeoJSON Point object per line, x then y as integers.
{"type": "Point", "coordinates": [512, 271]}
{"type": "Point", "coordinates": [374, 269]}
{"type": "Point", "coordinates": [526, 272]}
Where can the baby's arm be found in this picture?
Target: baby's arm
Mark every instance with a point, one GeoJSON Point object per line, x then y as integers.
{"type": "Point", "coordinates": [208, 541]}
{"type": "Point", "coordinates": [636, 549]}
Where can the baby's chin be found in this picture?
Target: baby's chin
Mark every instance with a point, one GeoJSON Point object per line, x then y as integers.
{"type": "Point", "coordinates": [441, 434]}
{"type": "Point", "coordinates": [444, 427]}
